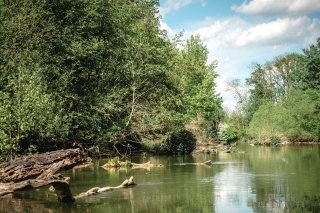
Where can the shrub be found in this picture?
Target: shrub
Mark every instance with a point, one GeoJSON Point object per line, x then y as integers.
{"type": "Point", "coordinates": [228, 133]}
{"type": "Point", "coordinates": [182, 142]}
{"type": "Point", "coordinates": [274, 140]}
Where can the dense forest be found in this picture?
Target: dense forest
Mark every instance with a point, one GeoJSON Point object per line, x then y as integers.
{"type": "Point", "coordinates": [279, 102]}
{"type": "Point", "coordinates": [100, 74]}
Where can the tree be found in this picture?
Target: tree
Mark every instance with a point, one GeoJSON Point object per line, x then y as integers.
{"type": "Point", "coordinates": [197, 82]}
{"type": "Point", "coordinates": [25, 104]}
{"type": "Point", "coordinates": [306, 75]}
{"type": "Point", "coordinates": [271, 81]}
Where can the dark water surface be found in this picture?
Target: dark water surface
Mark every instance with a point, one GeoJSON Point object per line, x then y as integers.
{"type": "Point", "coordinates": [264, 179]}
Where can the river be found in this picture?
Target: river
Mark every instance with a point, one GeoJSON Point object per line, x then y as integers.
{"type": "Point", "coordinates": [263, 179]}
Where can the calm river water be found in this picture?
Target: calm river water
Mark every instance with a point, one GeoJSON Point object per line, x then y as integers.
{"type": "Point", "coordinates": [264, 179]}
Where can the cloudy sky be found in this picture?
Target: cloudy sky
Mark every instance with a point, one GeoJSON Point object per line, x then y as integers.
{"type": "Point", "coordinates": [239, 32]}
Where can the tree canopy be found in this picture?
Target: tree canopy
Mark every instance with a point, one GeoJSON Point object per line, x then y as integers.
{"type": "Point", "coordinates": [99, 73]}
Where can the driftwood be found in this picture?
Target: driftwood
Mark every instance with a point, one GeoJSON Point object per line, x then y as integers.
{"type": "Point", "coordinates": [60, 183]}
{"type": "Point", "coordinates": [95, 190]}
{"type": "Point", "coordinates": [145, 165]}
{"type": "Point", "coordinates": [132, 165]}
{"type": "Point", "coordinates": [30, 166]}
{"type": "Point", "coordinates": [17, 174]}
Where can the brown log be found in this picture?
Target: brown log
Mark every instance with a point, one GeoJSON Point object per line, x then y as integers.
{"type": "Point", "coordinates": [47, 165]}
{"type": "Point", "coordinates": [16, 175]}
{"type": "Point", "coordinates": [60, 183]}
{"type": "Point", "coordinates": [29, 166]}
{"type": "Point", "coordinates": [95, 190]}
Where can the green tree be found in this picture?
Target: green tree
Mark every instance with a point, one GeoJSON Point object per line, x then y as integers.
{"type": "Point", "coordinates": [301, 118]}
{"type": "Point", "coordinates": [306, 75]}
{"type": "Point", "coordinates": [198, 83]}
{"type": "Point", "coordinates": [24, 103]}
{"type": "Point", "coordinates": [271, 81]}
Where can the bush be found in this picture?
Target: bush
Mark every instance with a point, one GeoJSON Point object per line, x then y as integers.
{"type": "Point", "coordinates": [275, 140]}
{"type": "Point", "coordinates": [228, 133]}
{"type": "Point", "coordinates": [182, 142]}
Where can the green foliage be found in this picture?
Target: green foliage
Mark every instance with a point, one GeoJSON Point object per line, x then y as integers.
{"type": "Point", "coordinates": [114, 160]}
{"type": "Point", "coordinates": [275, 140]}
{"type": "Point", "coordinates": [297, 118]}
{"type": "Point", "coordinates": [182, 142]}
{"type": "Point", "coordinates": [266, 123]}
{"type": "Point", "coordinates": [271, 81]}
{"type": "Point", "coordinates": [306, 74]}
{"type": "Point", "coordinates": [154, 147]}
{"type": "Point", "coordinates": [197, 84]}
{"type": "Point", "coordinates": [301, 121]}
{"type": "Point", "coordinates": [284, 100]}
{"type": "Point", "coordinates": [228, 133]}
{"type": "Point", "coordinates": [96, 73]}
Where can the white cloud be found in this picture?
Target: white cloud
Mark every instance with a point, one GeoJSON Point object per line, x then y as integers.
{"type": "Point", "coordinates": [220, 34]}
{"type": "Point", "coordinates": [278, 8]}
{"type": "Point", "coordinates": [172, 5]}
{"type": "Point", "coordinates": [236, 32]}
{"type": "Point", "coordinates": [218, 27]}
{"type": "Point", "coordinates": [282, 31]}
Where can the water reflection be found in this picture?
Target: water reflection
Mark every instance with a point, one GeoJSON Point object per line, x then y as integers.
{"type": "Point", "coordinates": [264, 179]}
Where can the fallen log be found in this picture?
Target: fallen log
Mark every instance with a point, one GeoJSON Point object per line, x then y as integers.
{"type": "Point", "coordinates": [60, 183]}
{"type": "Point", "coordinates": [30, 166]}
{"type": "Point", "coordinates": [15, 175]}
{"type": "Point", "coordinates": [119, 164]}
{"type": "Point", "coordinates": [95, 190]}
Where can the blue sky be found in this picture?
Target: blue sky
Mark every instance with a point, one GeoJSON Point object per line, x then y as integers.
{"type": "Point", "coordinates": [239, 32]}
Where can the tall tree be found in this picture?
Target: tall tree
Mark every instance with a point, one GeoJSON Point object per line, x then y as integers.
{"type": "Point", "coordinates": [198, 82]}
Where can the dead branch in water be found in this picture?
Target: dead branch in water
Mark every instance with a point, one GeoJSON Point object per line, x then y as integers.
{"type": "Point", "coordinates": [95, 190]}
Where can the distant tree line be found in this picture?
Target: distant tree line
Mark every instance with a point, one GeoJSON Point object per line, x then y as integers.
{"type": "Point", "coordinates": [282, 102]}
{"type": "Point", "coordinates": [98, 73]}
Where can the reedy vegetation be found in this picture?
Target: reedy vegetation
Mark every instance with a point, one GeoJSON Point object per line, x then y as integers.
{"type": "Point", "coordinates": [283, 103]}
{"type": "Point", "coordinates": [99, 73]}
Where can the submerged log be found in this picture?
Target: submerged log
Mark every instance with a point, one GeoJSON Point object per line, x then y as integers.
{"type": "Point", "coordinates": [145, 165]}
{"type": "Point", "coordinates": [132, 165]}
{"type": "Point", "coordinates": [95, 190]}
